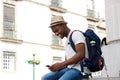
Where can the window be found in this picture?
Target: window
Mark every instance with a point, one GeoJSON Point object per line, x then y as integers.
{"type": "Point", "coordinates": [90, 4]}
{"type": "Point", "coordinates": [56, 41]}
{"type": "Point", "coordinates": [90, 13]}
{"type": "Point", "coordinates": [90, 8]}
{"type": "Point", "coordinates": [9, 21]}
{"type": "Point", "coordinates": [91, 26]}
{"type": "Point", "coordinates": [57, 59]}
{"type": "Point", "coordinates": [8, 61]}
{"type": "Point", "coordinates": [56, 3]}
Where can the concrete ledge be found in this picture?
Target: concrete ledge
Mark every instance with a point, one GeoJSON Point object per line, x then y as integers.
{"type": "Point", "coordinates": [113, 78]}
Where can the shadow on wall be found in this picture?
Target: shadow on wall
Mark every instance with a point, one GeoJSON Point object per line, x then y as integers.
{"type": "Point", "coordinates": [104, 41]}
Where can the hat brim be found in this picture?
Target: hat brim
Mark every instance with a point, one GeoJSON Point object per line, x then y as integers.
{"type": "Point", "coordinates": [57, 23]}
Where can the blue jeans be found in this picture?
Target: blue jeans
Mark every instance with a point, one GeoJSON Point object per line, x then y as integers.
{"type": "Point", "coordinates": [64, 74]}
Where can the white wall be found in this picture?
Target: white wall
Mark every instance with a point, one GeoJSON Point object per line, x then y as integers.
{"type": "Point", "coordinates": [1, 17]}
{"type": "Point", "coordinates": [100, 8]}
{"type": "Point", "coordinates": [77, 6]}
{"type": "Point", "coordinates": [113, 18]}
{"type": "Point", "coordinates": [76, 22]}
{"type": "Point", "coordinates": [112, 50]}
{"type": "Point", "coordinates": [33, 22]}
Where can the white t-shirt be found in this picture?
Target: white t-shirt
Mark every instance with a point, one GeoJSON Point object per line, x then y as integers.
{"type": "Point", "coordinates": [77, 38]}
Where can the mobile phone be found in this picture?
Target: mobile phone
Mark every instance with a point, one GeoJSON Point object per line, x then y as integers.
{"type": "Point", "coordinates": [47, 65]}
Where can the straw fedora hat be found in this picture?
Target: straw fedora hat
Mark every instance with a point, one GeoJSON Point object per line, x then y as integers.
{"type": "Point", "coordinates": [55, 20]}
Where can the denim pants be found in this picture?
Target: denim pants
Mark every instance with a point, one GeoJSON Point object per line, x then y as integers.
{"type": "Point", "coordinates": [64, 74]}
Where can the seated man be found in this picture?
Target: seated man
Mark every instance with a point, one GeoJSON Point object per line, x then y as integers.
{"type": "Point", "coordinates": [70, 68]}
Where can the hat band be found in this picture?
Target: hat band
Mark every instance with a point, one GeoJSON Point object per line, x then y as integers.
{"type": "Point", "coordinates": [57, 23]}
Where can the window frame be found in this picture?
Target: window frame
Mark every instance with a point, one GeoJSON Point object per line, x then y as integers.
{"type": "Point", "coordinates": [8, 21]}
{"type": "Point", "coordinates": [9, 61]}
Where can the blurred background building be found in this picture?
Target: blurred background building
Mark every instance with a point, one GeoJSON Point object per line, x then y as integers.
{"type": "Point", "coordinates": [24, 31]}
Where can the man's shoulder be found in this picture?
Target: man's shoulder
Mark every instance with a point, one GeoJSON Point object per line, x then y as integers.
{"type": "Point", "coordinates": [77, 33]}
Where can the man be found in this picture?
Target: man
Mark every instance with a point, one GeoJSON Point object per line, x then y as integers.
{"type": "Point", "coordinates": [70, 68]}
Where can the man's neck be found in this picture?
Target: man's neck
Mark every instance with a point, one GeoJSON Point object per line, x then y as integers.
{"type": "Point", "coordinates": [68, 31]}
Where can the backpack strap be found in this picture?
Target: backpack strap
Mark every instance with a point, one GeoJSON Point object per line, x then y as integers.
{"type": "Point", "coordinates": [71, 41]}
{"type": "Point", "coordinates": [73, 47]}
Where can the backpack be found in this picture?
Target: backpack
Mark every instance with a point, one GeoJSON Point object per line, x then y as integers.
{"type": "Point", "coordinates": [95, 61]}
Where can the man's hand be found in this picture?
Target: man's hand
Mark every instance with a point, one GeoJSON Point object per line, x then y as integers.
{"type": "Point", "coordinates": [56, 67]}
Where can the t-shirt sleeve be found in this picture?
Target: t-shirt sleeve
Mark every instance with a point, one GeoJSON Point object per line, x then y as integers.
{"type": "Point", "coordinates": [78, 37]}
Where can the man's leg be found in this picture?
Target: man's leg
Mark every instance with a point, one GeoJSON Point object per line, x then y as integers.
{"type": "Point", "coordinates": [72, 74]}
{"type": "Point", "coordinates": [54, 75]}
